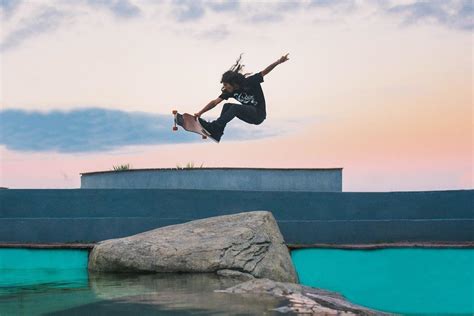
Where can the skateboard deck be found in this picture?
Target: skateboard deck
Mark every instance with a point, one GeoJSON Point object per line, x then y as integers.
{"type": "Point", "coordinates": [190, 123]}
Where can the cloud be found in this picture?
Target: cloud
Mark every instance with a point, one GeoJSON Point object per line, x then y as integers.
{"type": "Point", "coordinates": [120, 8]}
{"type": "Point", "coordinates": [47, 20]}
{"type": "Point", "coordinates": [98, 129]}
{"type": "Point", "coordinates": [218, 33]}
{"type": "Point", "coordinates": [332, 3]}
{"type": "Point", "coordinates": [188, 10]}
{"type": "Point", "coordinates": [453, 14]}
{"type": "Point", "coordinates": [265, 18]}
{"type": "Point", "coordinates": [277, 11]}
{"type": "Point", "coordinates": [8, 7]}
{"type": "Point", "coordinates": [193, 10]}
{"type": "Point", "coordinates": [223, 6]}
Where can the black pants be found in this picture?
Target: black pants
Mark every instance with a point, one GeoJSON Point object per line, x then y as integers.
{"type": "Point", "coordinates": [247, 113]}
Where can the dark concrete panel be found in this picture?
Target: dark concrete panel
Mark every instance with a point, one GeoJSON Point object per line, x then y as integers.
{"type": "Point", "coordinates": [205, 203]}
{"type": "Point", "coordinates": [304, 217]}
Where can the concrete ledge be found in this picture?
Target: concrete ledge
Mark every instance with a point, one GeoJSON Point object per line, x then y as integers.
{"type": "Point", "coordinates": [238, 179]}
{"type": "Point", "coordinates": [47, 245]}
{"type": "Point", "coordinates": [384, 245]}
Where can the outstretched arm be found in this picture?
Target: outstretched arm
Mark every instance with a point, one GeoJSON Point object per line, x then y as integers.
{"type": "Point", "coordinates": [270, 68]}
{"type": "Point", "coordinates": [209, 106]}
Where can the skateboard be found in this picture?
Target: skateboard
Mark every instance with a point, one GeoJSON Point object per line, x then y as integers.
{"type": "Point", "coordinates": [191, 124]}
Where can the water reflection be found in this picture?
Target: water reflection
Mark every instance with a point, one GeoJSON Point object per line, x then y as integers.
{"type": "Point", "coordinates": [149, 294]}
{"type": "Point", "coordinates": [19, 280]}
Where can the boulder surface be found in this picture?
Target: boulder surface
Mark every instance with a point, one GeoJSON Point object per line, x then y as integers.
{"type": "Point", "coordinates": [302, 299]}
{"type": "Point", "coordinates": [248, 242]}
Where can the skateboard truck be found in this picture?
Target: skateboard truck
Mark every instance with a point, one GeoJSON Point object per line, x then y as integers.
{"type": "Point", "coordinates": [175, 128]}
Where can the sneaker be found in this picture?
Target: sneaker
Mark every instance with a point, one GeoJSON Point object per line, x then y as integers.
{"type": "Point", "coordinates": [217, 135]}
{"type": "Point", "coordinates": [217, 130]}
{"type": "Point", "coordinates": [205, 125]}
{"type": "Point", "coordinates": [212, 129]}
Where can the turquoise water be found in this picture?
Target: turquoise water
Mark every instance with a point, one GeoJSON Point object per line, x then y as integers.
{"type": "Point", "coordinates": [56, 282]}
{"type": "Point", "coordinates": [399, 280]}
{"type": "Point", "coordinates": [21, 268]}
{"type": "Point", "coordinates": [23, 259]}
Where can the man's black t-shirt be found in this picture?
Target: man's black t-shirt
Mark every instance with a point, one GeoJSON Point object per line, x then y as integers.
{"type": "Point", "coordinates": [250, 93]}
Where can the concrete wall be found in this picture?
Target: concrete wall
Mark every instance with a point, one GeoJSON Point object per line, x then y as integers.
{"type": "Point", "coordinates": [240, 179]}
{"type": "Point", "coordinates": [304, 217]}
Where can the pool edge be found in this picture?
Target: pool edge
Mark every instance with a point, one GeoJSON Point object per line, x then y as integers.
{"type": "Point", "coordinates": [436, 244]}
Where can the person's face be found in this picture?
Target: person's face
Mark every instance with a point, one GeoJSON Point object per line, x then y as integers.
{"type": "Point", "coordinates": [229, 87]}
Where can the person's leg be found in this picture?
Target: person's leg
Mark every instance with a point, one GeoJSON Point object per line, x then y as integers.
{"type": "Point", "coordinates": [246, 113]}
{"type": "Point", "coordinates": [250, 114]}
{"type": "Point", "coordinates": [226, 107]}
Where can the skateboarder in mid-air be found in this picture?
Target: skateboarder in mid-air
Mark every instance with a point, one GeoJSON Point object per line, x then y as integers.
{"type": "Point", "coordinates": [246, 90]}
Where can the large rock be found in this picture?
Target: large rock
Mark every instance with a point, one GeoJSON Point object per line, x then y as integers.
{"type": "Point", "coordinates": [246, 242]}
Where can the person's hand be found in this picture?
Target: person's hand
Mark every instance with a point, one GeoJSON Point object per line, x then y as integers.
{"type": "Point", "coordinates": [283, 58]}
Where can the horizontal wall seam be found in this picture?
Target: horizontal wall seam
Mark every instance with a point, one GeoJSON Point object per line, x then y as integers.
{"type": "Point", "coordinates": [278, 220]}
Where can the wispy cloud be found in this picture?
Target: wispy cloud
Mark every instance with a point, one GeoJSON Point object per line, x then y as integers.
{"type": "Point", "coordinates": [223, 6]}
{"type": "Point", "coordinates": [47, 19]}
{"type": "Point", "coordinates": [98, 129]}
{"type": "Point", "coordinates": [193, 10]}
{"type": "Point", "coordinates": [188, 10]}
{"type": "Point", "coordinates": [120, 8]}
{"type": "Point", "coordinates": [453, 14]}
{"type": "Point", "coordinates": [217, 33]}
{"type": "Point", "coordinates": [265, 18]}
{"type": "Point", "coordinates": [7, 7]}
{"type": "Point", "coordinates": [337, 4]}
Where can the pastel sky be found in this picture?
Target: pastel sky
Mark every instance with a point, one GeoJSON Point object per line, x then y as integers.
{"type": "Point", "coordinates": [382, 89]}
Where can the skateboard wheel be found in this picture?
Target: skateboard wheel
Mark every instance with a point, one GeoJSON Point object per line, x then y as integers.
{"type": "Point", "coordinates": [175, 112]}
{"type": "Point", "coordinates": [175, 128]}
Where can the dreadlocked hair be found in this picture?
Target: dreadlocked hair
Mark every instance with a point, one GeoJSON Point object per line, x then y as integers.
{"type": "Point", "coordinates": [234, 74]}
